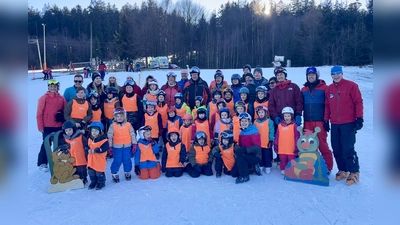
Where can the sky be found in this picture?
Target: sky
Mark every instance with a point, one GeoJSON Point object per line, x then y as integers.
{"type": "Point", "coordinates": [210, 5]}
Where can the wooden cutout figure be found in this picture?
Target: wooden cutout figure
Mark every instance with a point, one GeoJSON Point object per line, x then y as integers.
{"type": "Point", "coordinates": [309, 167]}
{"type": "Point", "coordinates": [61, 168]}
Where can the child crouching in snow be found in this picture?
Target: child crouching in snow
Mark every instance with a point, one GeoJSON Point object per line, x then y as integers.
{"type": "Point", "coordinates": [224, 155]}
{"type": "Point", "coordinates": [174, 156]}
{"type": "Point", "coordinates": [146, 165]}
{"type": "Point", "coordinates": [200, 157]}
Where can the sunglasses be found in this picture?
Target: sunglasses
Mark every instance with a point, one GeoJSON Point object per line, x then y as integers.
{"type": "Point", "coordinates": [78, 81]}
{"type": "Point", "coordinates": [200, 136]}
{"type": "Point", "coordinates": [53, 82]}
{"type": "Point", "coordinates": [226, 135]}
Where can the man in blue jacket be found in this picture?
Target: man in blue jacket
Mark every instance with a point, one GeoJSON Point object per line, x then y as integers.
{"type": "Point", "coordinates": [184, 79]}
{"type": "Point", "coordinates": [70, 92]}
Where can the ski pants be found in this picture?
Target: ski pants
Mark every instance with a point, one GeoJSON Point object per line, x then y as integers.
{"type": "Point", "coordinates": [102, 74]}
{"type": "Point", "coordinates": [244, 162]}
{"type": "Point", "coordinates": [266, 157]}
{"type": "Point", "coordinates": [193, 172]}
{"type": "Point", "coordinates": [82, 172]}
{"type": "Point", "coordinates": [219, 166]}
{"type": "Point", "coordinates": [285, 159]}
{"type": "Point", "coordinates": [174, 172]}
{"type": "Point", "coordinates": [96, 177]}
{"type": "Point", "coordinates": [42, 157]}
{"type": "Point", "coordinates": [121, 156]}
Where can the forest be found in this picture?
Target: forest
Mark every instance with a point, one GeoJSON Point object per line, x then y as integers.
{"type": "Point", "coordinates": [237, 33]}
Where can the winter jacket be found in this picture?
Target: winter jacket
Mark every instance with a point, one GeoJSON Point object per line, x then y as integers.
{"type": "Point", "coordinates": [182, 84]}
{"type": "Point", "coordinates": [136, 89]}
{"type": "Point", "coordinates": [70, 93]}
{"type": "Point", "coordinates": [196, 88]}
{"type": "Point", "coordinates": [314, 101]}
{"type": "Point", "coordinates": [221, 87]}
{"type": "Point", "coordinates": [285, 94]}
{"type": "Point", "coordinates": [170, 92]}
{"type": "Point", "coordinates": [80, 101]}
{"type": "Point", "coordinates": [48, 106]}
{"type": "Point", "coordinates": [251, 140]}
{"type": "Point", "coordinates": [261, 82]}
{"type": "Point", "coordinates": [103, 94]}
{"type": "Point", "coordinates": [182, 154]}
{"type": "Point", "coordinates": [147, 164]}
{"type": "Point", "coordinates": [123, 134]}
{"type": "Point", "coordinates": [343, 103]}
{"type": "Point", "coordinates": [296, 137]}
{"type": "Point", "coordinates": [192, 154]}
{"type": "Point", "coordinates": [236, 94]}
{"type": "Point", "coordinates": [252, 91]}
{"type": "Point", "coordinates": [135, 118]}
{"type": "Point", "coordinates": [102, 67]}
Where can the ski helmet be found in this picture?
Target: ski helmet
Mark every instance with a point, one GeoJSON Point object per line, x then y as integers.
{"type": "Point", "coordinates": [240, 104]}
{"type": "Point", "coordinates": [112, 90]}
{"type": "Point", "coordinates": [53, 82]}
{"type": "Point", "coordinates": [200, 135]}
{"type": "Point", "coordinates": [178, 95]}
{"type": "Point", "coordinates": [221, 101]}
{"type": "Point", "coordinates": [129, 83]}
{"type": "Point", "coordinates": [236, 76]}
{"type": "Point", "coordinates": [119, 110]}
{"type": "Point", "coordinates": [217, 92]}
{"type": "Point", "coordinates": [280, 69]}
{"type": "Point", "coordinates": [245, 115]}
{"type": "Point", "coordinates": [228, 90]}
{"type": "Point", "coordinates": [312, 70]}
{"type": "Point", "coordinates": [171, 109]}
{"type": "Point", "coordinates": [142, 130]}
{"type": "Point", "coordinates": [225, 110]}
{"type": "Point", "coordinates": [161, 92]}
{"type": "Point", "coordinates": [151, 102]}
{"type": "Point", "coordinates": [227, 134]}
{"type": "Point", "coordinates": [262, 107]}
{"type": "Point", "coordinates": [218, 74]}
{"type": "Point", "coordinates": [247, 66]}
{"type": "Point", "coordinates": [171, 74]}
{"type": "Point", "coordinates": [194, 69]}
{"type": "Point", "coordinates": [97, 125]}
{"type": "Point", "coordinates": [244, 90]}
{"type": "Point", "coordinates": [287, 109]}
{"type": "Point", "coordinates": [261, 89]}
{"type": "Point", "coordinates": [187, 117]}
{"type": "Point", "coordinates": [201, 110]}
{"type": "Point", "coordinates": [199, 98]}
{"type": "Point", "coordinates": [69, 124]}
{"type": "Point", "coordinates": [173, 130]}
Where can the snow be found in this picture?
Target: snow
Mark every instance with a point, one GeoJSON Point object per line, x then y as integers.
{"type": "Point", "coordinates": [266, 199]}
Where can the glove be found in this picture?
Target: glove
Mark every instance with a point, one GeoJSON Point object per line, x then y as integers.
{"type": "Point", "coordinates": [298, 120]}
{"type": "Point", "coordinates": [134, 146]}
{"type": "Point", "coordinates": [240, 150]}
{"type": "Point", "coordinates": [277, 120]}
{"type": "Point", "coordinates": [83, 124]}
{"type": "Point", "coordinates": [326, 126]}
{"type": "Point", "coordinates": [137, 170]}
{"type": "Point", "coordinates": [60, 116]}
{"type": "Point", "coordinates": [197, 167]}
{"type": "Point", "coordinates": [217, 155]}
{"type": "Point", "coordinates": [270, 144]}
{"type": "Point", "coordinates": [359, 123]}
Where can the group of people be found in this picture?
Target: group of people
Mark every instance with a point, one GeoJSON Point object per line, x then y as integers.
{"type": "Point", "coordinates": [189, 126]}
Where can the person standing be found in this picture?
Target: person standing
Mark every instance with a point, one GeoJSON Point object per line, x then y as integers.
{"type": "Point", "coordinates": [70, 92]}
{"type": "Point", "coordinates": [344, 109]}
{"type": "Point", "coordinates": [171, 88]}
{"type": "Point", "coordinates": [196, 87]}
{"type": "Point", "coordinates": [184, 79]}
{"type": "Point", "coordinates": [102, 69]}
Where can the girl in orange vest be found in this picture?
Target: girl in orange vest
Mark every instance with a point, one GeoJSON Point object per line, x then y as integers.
{"type": "Point", "coordinates": [173, 120]}
{"type": "Point", "coordinates": [162, 110]}
{"type": "Point", "coordinates": [198, 101]}
{"type": "Point", "coordinates": [153, 119]}
{"type": "Point", "coordinates": [244, 97]}
{"type": "Point", "coordinates": [132, 103]}
{"type": "Point", "coordinates": [109, 105]}
{"type": "Point", "coordinates": [224, 123]}
{"type": "Point", "coordinates": [174, 156]}
{"type": "Point", "coordinates": [78, 110]}
{"type": "Point", "coordinates": [151, 93]}
{"type": "Point", "coordinates": [261, 98]}
{"type": "Point", "coordinates": [267, 132]}
{"type": "Point", "coordinates": [180, 106]}
{"type": "Point", "coordinates": [228, 97]}
{"type": "Point", "coordinates": [201, 124]}
{"type": "Point", "coordinates": [286, 138]}
{"type": "Point", "coordinates": [188, 129]}
{"type": "Point", "coordinates": [200, 157]}
{"type": "Point", "coordinates": [224, 155]}
{"type": "Point", "coordinates": [214, 118]}
{"type": "Point", "coordinates": [98, 146]}
{"type": "Point", "coordinates": [240, 107]}
{"type": "Point", "coordinates": [212, 107]}
{"type": "Point", "coordinates": [146, 165]}
{"type": "Point", "coordinates": [76, 144]}
{"type": "Point", "coordinates": [94, 101]}
{"type": "Point", "coordinates": [122, 140]}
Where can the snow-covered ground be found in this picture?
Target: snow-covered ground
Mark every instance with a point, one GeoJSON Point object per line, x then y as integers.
{"type": "Point", "coordinates": [266, 199]}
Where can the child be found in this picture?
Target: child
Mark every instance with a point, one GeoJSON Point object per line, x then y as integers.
{"type": "Point", "coordinates": [174, 156]}
{"type": "Point", "coordinates": [94, 100]}
{"type": "Point", "coordinates": [173, 120]}
{"type": "Point", "coordinates": [224, 155]}
{"type": "Point", "coordinates": [98, 146]}
{"type": "Point", "coordinates": [111, 103]}
{"type": "Point", "coordinates": [212, 106]}
{"type": "Point", "coordinates": [198, 101]}
{"type": "Point", "coordinates": [214, 118]}
{"type": "Point", "coordinates": [224, 123]}
{"type": "Point", "coordinates": [153, 119]}
{"type": "Point", "coordinates": [161, 108]}
{"type": "Point", "coordinates": [240, 107]}
{"type": "Point", "coordinates": [78, 110]}
{"type": "Point", "coordinates": [201, 124]}
{"type": "Point", "coordinates": [236, 86]}
{"type": "Point", "coordinates": [132, 103]}
{"type": "Point", "coordinates": [180, 106]}
{"type": "Point", "coordinates": [244, 97]}
{"type": "Point", "coordinates": [146, 165]}
{"type": "Point", "coordinates": [285, 143]}
{"type": "Point", "coordinates": [267, 131]}
{"type": "Point", "coordinates": [77, 146]}
{"type": "Point", "coordinates": [188, 129]}
{"type": "Point", "coordinates": [151, 93]}
{"type": "Point", "coordinates": [261, 98]}
{"type": "Point", "coordinates": [122, 140]}
{"type": "Point", "coordinates": [200, 157]}
{"type": "Point", "coordinates": [228, 97]}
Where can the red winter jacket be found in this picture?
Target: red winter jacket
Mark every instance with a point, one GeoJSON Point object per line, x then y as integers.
{"type": "Point", "coordinates": [285, 94]}
{"type": "Point", "coordinates": [344, 102]}
{"type": "Point", "coordinates": [48, 106]}
{"type": "Point", "coordinates": [170, 92]}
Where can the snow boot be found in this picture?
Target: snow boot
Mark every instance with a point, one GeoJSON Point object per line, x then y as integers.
{"type": "Point", "coordinates": [341, 175]}
{"type": "Point", "coordinates": [115, 178]}
{"type": "Point", "coordinates": [100, 186]}
{"type": "Point", "coordinates": [257, 170]}
{"type": "Point", "coordinates": [218, 175]}
{"type": "Point", "coordinates": [92, 185]}
{"type": "Point", "coordinates": [353, 178]}
{"type": "Point", "coordinates": [267, 170]}
{"type": "Point", "coordinates": [240, 179]}
{"type": "Point", "coordinates": [128, 176]}
{"type": "Point", "coordinates": [283, 172]}
{"type": "Point", "coordinates": [44, 168]}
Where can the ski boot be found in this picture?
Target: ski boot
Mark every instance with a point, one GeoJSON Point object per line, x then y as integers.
{"type": "Point", "coordinates": [341, 175]}
{"type": "Point", "coordinates": [218, 175]}
{"type": "Point", "coordinates": [267, 170]}
{"type": "Point", "coordinates": [115, 178]}
{"type": "Point", "coordinates": [353, 178]}
{"type": "Point", "coordinates": [240, 180]}
{"type": "Point", "coordinates": [257, 170]}
{"type": "Point", "coordinates": [44, 168]}
{"type": "Point", "coordinates": [128, 176]}
{"type": "Point", "coordinates": [92, 185]}
{"type": "Point", "coordinates": [100, 186]}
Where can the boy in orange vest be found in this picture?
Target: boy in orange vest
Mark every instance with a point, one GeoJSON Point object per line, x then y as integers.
{"type": "Point", "coordinates": [146, 165]}
{"type": "Point", "coordinates": [188, 129]}
{"type": "Point", "coordinates": [224, 155]}
{"type": "Point", "coordinates": [224, 123]}
{"type": "Point", "coordinates": [98, 146]}
{"type": "Point", "coordinates": [173, 120]}
{"type": "Point", "coordinates": [73, 141]}
{"type": "Point", "coordinates": [228, 97]}
{"type": "Point", "coordinates": [122, 140]}
{"type": "Point", "coordinates": [180, 106]}
{"type": "Point", "coordinates": [240, 107]}
{"type": "Point", "coordinates": [153, 119]}
{"type": "Point", "coordinates": [212, 107]}
{"type": "Point", "coordinates": [174, 156]}
{"type": "Point", "coordinates": [261, 98]}
{"type": "Point", "coordinates": [200, 157]}
{"type": "Point", "coordinates": [132, 103]}
{"type": "Point", "coordinates": [285, 143]}
{"type": "Point", "coordinates": [161, 108]}
{"type": "Point", "coordinates": [109, 105]}
{"type": "Point", "coordinates": [201, 124]}
{"type": "Point", "coordinates": [198, 101]}
{"type": "Point", "coordinates": [267, 132]}
{"type": "Point", "coordinates": [78, 110]}
{"type": "Point", "coordinates": [94, 100]}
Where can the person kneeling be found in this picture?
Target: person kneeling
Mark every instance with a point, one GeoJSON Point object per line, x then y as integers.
{"type": "Point", "coordinates": [224, 155]}
{"type": "Point", "coordinates": [146, 165]}
{"type": "Point", "coordinates": [200, 157]}
{"type": "Point", "coordinates": [174, 157]}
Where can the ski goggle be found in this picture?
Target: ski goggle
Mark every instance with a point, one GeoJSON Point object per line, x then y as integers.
{"type": "Point", "coordinates": [161, 92]}
{"type": "Point", "coordinates": [52, 81]}
{"type": "Point", "coordinates": [226, 135]}
{"type": "Point", "coordinates": [200, 135]}
{"type": "Point", "coordinates": [279, 70]}
{"type": "Point", "coordinates": [311, 70]}
{"type": "Point", "coordinates": [128, 82]}
{"type": "Point", "coordinates": [194, 70]}
{"type": "Point", "coordinates": [94, 94]}
{"type": "Point", "coordinates": [336, 73]}
{"type": "Point", "coordinates": [244, 116]}
{"type": "Point", "coordinates": [119, 110]}
{"type": "Point", "coordinates": [171, 74]}
{"type": "Point", "coordinates": [145, 128]}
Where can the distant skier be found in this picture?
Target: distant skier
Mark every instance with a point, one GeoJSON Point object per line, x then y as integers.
{"type": "Point", "coordinates": [102, 69]}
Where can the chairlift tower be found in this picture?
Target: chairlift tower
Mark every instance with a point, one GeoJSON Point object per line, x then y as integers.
{"type": "Point", "coordinates": [35, 40]}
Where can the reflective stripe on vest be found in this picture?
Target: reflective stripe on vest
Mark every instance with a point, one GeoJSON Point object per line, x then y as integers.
{"type": "Point", "coordinates": [79, 111]}
{"type": "Point", "coordinates": [122, 134]}
{"type": "Point", "coordinates": [286, 139]}
{"type": "Point", "coordinates": [173, 156]}
{"type": "Point", "coordinates": [77, 151]}
{"type": "Point", "coordinates": [146, 153]}
{"type": "Point", "coordinates": [202, 154]}
{"type": "Point", "coordinates": [130, 104]}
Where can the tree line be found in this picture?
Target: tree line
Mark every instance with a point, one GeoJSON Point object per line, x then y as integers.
{"type": "Point", "coordinates": [237, 33]}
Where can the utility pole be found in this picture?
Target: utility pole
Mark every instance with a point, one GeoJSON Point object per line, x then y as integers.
{"type": "Point", "coordinates": [91, 45]}
{"type": "Point", "coordinates": [44, 46]}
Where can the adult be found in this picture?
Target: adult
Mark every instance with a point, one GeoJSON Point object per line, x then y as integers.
{"type": "Point", "coordinates": [171, 88]}
{"type": "Point", "coordinates": [248, 152]}
{"type": "Point", "coordinates": [136, 89]}
{"type": "Point", "coordinates": [97, 86]}
{"type": "Point", "coordinates": [184, 79]}
{"type": "Point", "coordinates": [285, 94]}
{"type": "Point", "coordinates": [49, 117]}
{"type": "Point", "coordinates": [344, 109]}
{"type": "Point", "coordinates": [246, 70]}
{"type": "Point", "coordinates": [250, 85]}
{"type": "Point", "coordinates": [235, 86]}
{"type": "Point", "coordinates": [196, 87]}
{"type": "Point", "coordinates": [70, 92]}
{"type": "Point", "coordinates": [272, 83]}
{"type": "Point", "coordinates": [314, 109]}
{"type": "Point", "coordinates": [112, 82]}
{"type": "Point", "coordinates": [258, 80]}
{"type": "Point", "coordinates": [218, 83]}
{"type": "Point", "coordinates": [102, 69]}
{"type": "Point", "coordinates": [146, 85]}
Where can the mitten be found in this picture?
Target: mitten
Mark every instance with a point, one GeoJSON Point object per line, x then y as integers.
{"type": "Point", "coordinates": [359, 123]}
{"type": "Point", "coordinates": [240, 150]}
{"type": "Point", "coordinates": [137, 170]}
{"type": "Point", "coordinates": [98, 150]}
{"type": "Point", "coordinates": [326, 126]}
{"type": "Point", "coordinates": [298, 120]}
{"type": "Point", "coordinates": [217, 155]}
{"type": "Point", "coordinates": [277, 120]}
{"type": "Point", "coordinates": [134, 146]}
{"type": "Point", "coordinates": [60, 116]}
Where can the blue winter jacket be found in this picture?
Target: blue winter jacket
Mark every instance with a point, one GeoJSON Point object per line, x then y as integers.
{"type": "Point", "coordinates": [236, 94]}
{"type": "Point", "coordinates": [182, 83]}
{"type": "Point", "coordinates": [147, 164]}
{"type": "Point", "coordinates": [314, 101]}
{"type": "Point", "coordinates": [70, 93]}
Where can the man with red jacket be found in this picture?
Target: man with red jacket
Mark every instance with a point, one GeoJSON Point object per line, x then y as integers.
{"type": "Point", "coordinates": [344, 109]}
{"type": "Point", "coordinates": [171, 88]}
{"type": "Point", "coordinates": [314, 108]}
{"type": "Point", "coordinates": [102, 70]}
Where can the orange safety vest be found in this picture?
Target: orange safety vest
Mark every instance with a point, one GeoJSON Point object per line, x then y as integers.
{"type": "Point", "coordinates": [173, 124]}
{"type": "Point", "coordinates": [146, 153]}
{"type": "Point", "coordinates": [186, 133]}
{"type": "Point", "coordinates": [263, 129]}
{"type": "Point", "coordinates": [97, 161]}
{"type": "Point", "coordinates": [79, 111]}
{"type": "Point", "coordinates": [77, 151]}
{"type": "Point", "coordinates": [96, 115]}
{"type": "Point", "coordinates": [173, 155]}
{"type": "Point", "coordinates": [182, 111]}
{"type": "Point", "coordinates": [130, 104]}
{"type": "Point", "coordinates": [213, 109]}
{"type": "Point", "coordinates": [194, 113]}
{"type": "Point", "coordinates": [202, 154]}
{"type": "Point", "coordinates": [122, 134]}
{"type": "Point", "coordinates": [163, 113]}
{"type": "Point", "coordinates": [236, 129]}
{"type": "Point", "coordinates": [151, 97]}
{"type": "Point", "coordinates": [231, 106]}
{"type": "Point", "coordinates": [222, 127]}
{"type": "Point", "coordinates": [152, 121]}
{"type": "Point", "coordinates": [256, 104]}
{"type": "Point", "coordinates": [205, 127]}
{"type": "Point", "coordinates": [109, 109]}
{"type": "Point", "coordinates": [286, 141]}
{"type": "Point", "coordinates": [228, 157]}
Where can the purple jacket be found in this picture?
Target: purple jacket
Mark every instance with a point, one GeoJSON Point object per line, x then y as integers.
{"type": "Point", "coordinates": [285, 94]}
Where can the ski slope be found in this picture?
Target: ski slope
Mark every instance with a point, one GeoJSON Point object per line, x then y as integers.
{"type": "Point", "coordinates": [266, 199]}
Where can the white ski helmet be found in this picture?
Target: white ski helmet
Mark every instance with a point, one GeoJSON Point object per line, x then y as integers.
{"type": "Point", "coordinates": [287, 109]}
